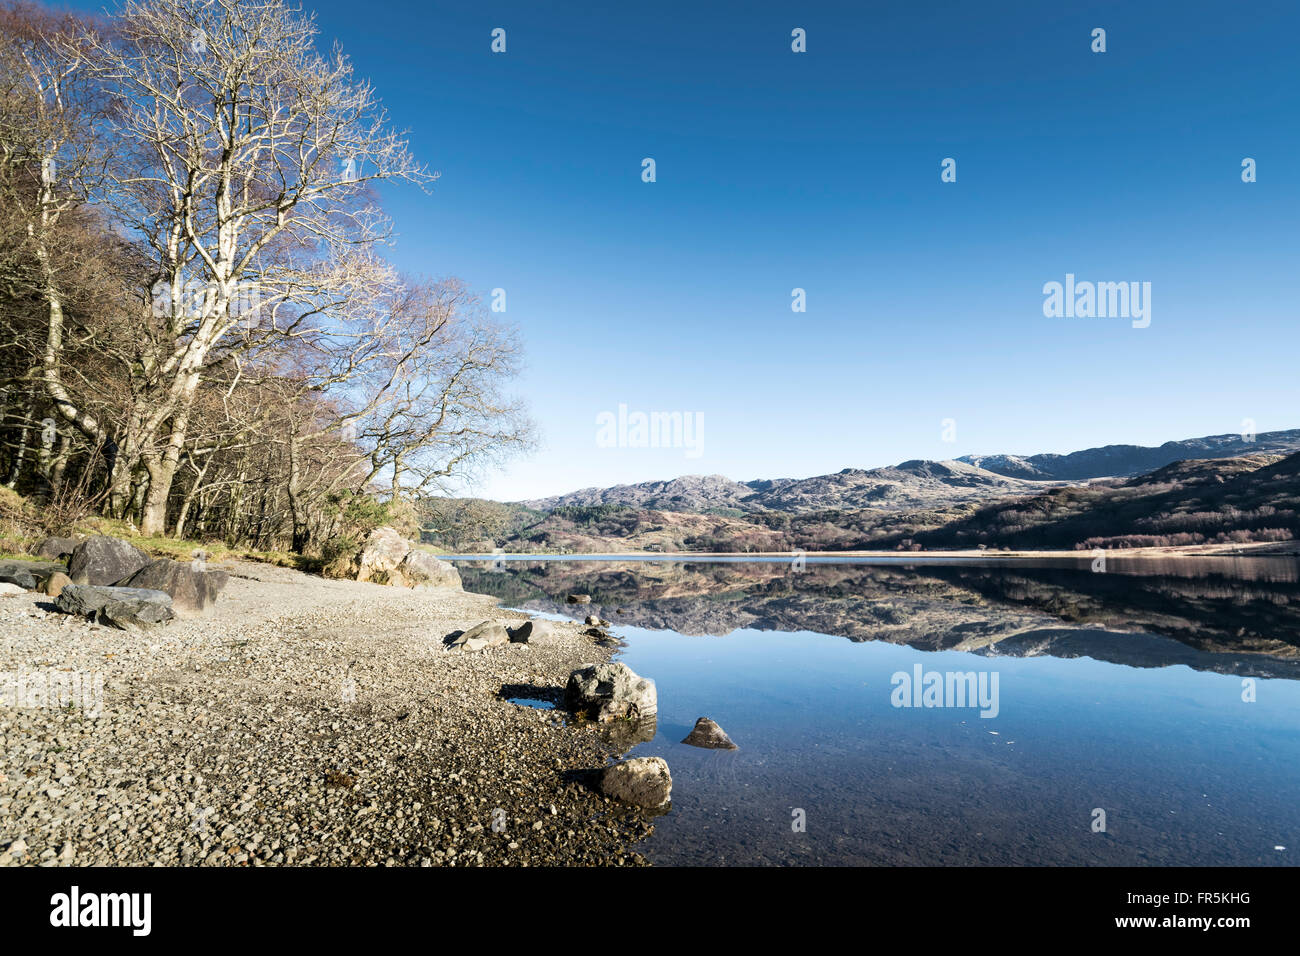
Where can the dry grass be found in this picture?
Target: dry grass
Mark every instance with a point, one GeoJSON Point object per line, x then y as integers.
{"type": "Point", "coordinates": [23, 528]}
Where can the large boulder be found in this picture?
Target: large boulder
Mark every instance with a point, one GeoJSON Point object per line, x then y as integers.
{"type": "Point", "coordinates": [487, 634]}
{"type": "Point", "coordinates": [133, 615]}
{"type": "Point", "coordinates": [641, 781]}
{"type": "Point", "coordinates": [388, 558]}
{"type": "Point", "coordinates": [104, 561]}
{"type": "Point", "coordinates": [192, 591]}
{"type": "Point", "coordinates": [57, 549]}
{"type": "Point", "coordinates": [380, 558]}
{"type": "Point", "coordinates": [610, 692]}
{"type": "Point", "coordinates": [421, 569]}
{"type": "Point", "coordinates": [128, 609]}
{"type": "Point", "coordinates": [530, 631]}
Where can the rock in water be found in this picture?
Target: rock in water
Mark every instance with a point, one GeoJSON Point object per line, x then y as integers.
{"type": "Point", "coordinates": [487, 634]}
{"type": "Point", "coordinates": [708, 734]}
{"type": "Point", "coordinates": [641, 781]}
{"type": "Point", "coordinates": [610, 692]}
{"type": "Point", "coordinates": [579, 598]}
{"type": "Point", "coordinates": [623, 735]}
{"type": "Point", "coordinates": [421, 569]}
{"type": "Point", "coordinates": [192, 591]}
{"type": "Point", "coordinates": [128, 609]}
{"type": "Point", "coordinates": [104, 561]}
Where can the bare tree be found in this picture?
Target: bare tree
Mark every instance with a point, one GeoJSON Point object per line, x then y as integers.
{"type": "Point", "coordinates": [252, 154]}
{"type": "Point", "coordinates": [51, 161]}
{"type": "Point", "coordinates": [192, 288]}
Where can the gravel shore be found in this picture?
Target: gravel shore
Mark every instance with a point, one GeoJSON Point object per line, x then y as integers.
{"type": "Point", "coordinates": [303, 722]}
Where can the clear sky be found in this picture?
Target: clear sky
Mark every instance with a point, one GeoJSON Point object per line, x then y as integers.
{"type": "Point", "coordinates": [821, 170]}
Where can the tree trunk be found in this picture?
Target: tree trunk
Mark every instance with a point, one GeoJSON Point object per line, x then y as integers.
{"type": "Point", "coordinates": [22, 448]}
{"type": "Point", "coordinates": [297, 510]}
{"type": "Point", "coordinates": [189, 498]}
{"type": "Point", "coordinates": [162, 470]}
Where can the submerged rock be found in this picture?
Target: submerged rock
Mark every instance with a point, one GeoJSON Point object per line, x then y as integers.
{"type": "Point", "coordinates": [487, 634]}
{"type": "Point", "coordinates": [104, 561]}
{"type": "Point", "coordinates": [708, 734]}
{"type": "Point", "coordinates": [610, 692]}
{"type": "Point", "coordinates": [623, 735]}
{"type": "Point", "coordinates": [641, 781]}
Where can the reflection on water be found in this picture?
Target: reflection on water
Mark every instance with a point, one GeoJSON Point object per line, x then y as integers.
{"type": "Point", "coordinates": [1163, 694]}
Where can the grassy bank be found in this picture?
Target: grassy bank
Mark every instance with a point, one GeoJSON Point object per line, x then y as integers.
{"type": "Point", "coordinates": [23, 527]}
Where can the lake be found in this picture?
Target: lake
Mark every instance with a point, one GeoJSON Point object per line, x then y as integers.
{"type": "Point", "coordinates": [909, 712]}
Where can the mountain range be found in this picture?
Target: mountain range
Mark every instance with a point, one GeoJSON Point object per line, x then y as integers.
{"type": "Point", "coordinates": [1122, 461]}
{"type": "Point", "coordinates": [1214, 491]}
{"type": "Point", "coordinates": [916, 484]}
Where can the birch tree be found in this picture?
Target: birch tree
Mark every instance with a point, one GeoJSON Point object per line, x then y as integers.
{"type": "Point", "coordinates": [244, 174]}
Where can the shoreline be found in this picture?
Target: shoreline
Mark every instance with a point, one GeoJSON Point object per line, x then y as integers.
{"type": "Point", "coordinates": [1256, 549]}
{"type": "Point", "coordinates": [304, 721]}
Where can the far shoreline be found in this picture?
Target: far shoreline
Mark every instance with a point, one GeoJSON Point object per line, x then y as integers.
{"type": "Point", "coordinates": [1286, 549]}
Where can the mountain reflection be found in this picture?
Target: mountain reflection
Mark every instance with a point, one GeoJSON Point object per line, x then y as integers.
{"type": "Point", "coordinates": [1229, 615]}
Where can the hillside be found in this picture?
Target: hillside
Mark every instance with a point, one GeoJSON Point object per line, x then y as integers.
{"type": "Point", "coordinates": [911, 485]}
{"type": "Point", "coordinates": [689, 493]}
{"type": "Point", "coordinates": [1128, 460]}
{"type": "Point", "coordinates": [1237, 500]}
{"type": "Point", "coordinates": [1085, 499]}
{"type": "Point", "coordinates": [1226, 501]}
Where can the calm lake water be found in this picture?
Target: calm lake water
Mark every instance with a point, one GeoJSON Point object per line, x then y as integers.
{"type": "Point", "coordinates": [1149, 714]}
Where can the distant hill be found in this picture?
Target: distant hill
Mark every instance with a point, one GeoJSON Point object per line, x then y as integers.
{"type": "Point", "coordinates": [911, 485]}
{"type": "Point", "coordinates": [915, 484]}
{"type": "Point", "coordinates": [689, 493]}
{"type": "Point", "coordinates": [1182, 493]}
{"type": "Point", "coordinates": [1235, 500]}
{"type": "Point", "coordinates": [1121, 461]}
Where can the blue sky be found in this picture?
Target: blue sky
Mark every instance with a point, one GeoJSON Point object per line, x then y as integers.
{"type": "Point", "coordinates": [821, 170]}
